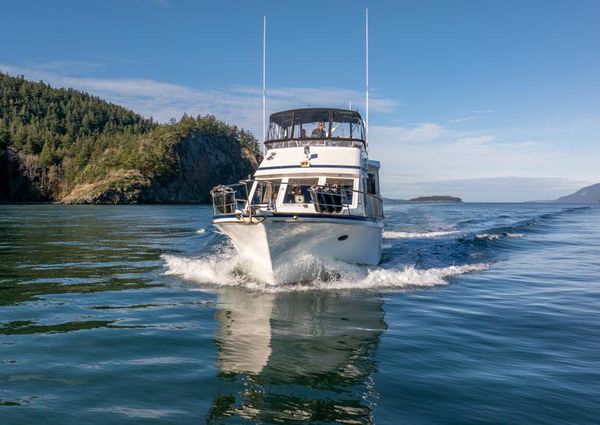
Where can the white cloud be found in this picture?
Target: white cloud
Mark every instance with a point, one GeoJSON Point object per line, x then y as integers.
{"type": "Point", "coordinates": [475, 140]}
{"type": "Point", "coordinates": [472, 115]}
{"type": "Point", "coordinates": [238, 104]}
{"type": "Point", "coordinates": [418, 133]}
{"type": "Point", "coordinates": [421, 158]}
{"type": "Point", "coordinates": [491, 189]}
{"type": "Point", "coordinates": [469, 118]}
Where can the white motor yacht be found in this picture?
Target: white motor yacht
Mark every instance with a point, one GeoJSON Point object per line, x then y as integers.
{"type": "Point", "coordinates": [314, 196]}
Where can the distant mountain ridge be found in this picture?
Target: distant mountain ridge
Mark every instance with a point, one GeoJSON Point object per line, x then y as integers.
{"type": "Point", "coordinates": [586, 195]}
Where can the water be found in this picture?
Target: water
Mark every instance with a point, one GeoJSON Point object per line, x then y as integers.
{"type": "Point", "coordinates": [140, 314]}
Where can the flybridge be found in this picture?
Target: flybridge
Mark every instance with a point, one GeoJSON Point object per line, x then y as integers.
{"type": "Point", "coordinates": [314, 127]}
{"type": "Point", "coordinates": [282, 124]}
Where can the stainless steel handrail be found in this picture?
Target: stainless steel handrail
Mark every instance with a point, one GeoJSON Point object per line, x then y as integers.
{"type": "Point", "coordinates": [225, 201]}
{"type": "Point", "coordinates": [224, 198]}
{"type": "Point", "coordinates": [329, 200]}
{"type": "Point", "coordinates": [373, 206]}
{"type": "Point", "coordinates": [301, 142]}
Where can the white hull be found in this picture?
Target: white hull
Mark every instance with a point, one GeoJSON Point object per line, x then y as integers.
{"type": "Point", "coordinates": [273, 249]}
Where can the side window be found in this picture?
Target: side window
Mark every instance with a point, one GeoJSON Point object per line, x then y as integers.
{"type": "Point", "coordinates": [371, 184]}
{"type": "Point", "coordinates": [270, 191]}
{"type": "Point", "coordinates": [297, 191]}
{"type": "Point", "coordinates": [266, 191]}
{"type": "Point", "coordinates": [346, 188]}
{"type": "Point", "coordinates": [300, 131]}
{"type": "Point", "coordinates": [341, 129]}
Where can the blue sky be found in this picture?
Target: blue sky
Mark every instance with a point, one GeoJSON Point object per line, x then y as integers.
{"type": "Point", "coordinates": [487, 100]}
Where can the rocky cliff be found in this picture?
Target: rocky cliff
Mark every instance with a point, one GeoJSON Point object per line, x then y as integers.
{"type": "Point", "coordinates": [199, 163]}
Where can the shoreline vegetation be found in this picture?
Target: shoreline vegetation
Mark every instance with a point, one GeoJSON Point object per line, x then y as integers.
{"type": "Point", "coordinates": [66, 146]}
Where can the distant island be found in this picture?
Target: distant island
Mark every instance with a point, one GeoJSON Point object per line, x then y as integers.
{"type": "Point", "coordinates": [391, 201]}
{"type": "Point", "coordinates": [440, 199]}
{"type": "Point", "coordinates": [64, 145]}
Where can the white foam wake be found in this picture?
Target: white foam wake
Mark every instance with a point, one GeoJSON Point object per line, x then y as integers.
{"type": "Point", "coordinates": [201, 231]}
{"type": "Point", "coordinates": [392, 234]}
{"type": "Point", "coordinates": [228, 270]}
{"type": "Point", "coordinates": [496, 236]}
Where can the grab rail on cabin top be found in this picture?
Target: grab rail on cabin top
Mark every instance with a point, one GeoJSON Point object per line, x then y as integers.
{"type": "Point", "coordinates": [226, 201]}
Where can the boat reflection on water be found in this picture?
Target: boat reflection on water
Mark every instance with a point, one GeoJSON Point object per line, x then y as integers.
{"type": "Point", "coordinates": [296, 356]}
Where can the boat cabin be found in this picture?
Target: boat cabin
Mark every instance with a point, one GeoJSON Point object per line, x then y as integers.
{"type": "Point", "coordinates": [316, 162]}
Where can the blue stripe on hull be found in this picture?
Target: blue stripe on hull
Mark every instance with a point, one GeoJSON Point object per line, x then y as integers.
{"type": "Point", "coordinates": [279, 167]}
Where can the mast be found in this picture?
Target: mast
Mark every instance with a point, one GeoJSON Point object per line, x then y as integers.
{"type": "Point", "coordinates": [264, 80]}
{"type": "Point", "coordinates": [367, 76]}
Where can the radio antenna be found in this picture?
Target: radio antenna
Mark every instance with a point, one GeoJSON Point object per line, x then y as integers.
{"type": "Point", "coordinates": [367, 76]}
{"type": "Point", "coordinates": [264, 79]}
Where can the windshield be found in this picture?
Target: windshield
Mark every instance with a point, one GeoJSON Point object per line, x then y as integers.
{"type": "Point", "coordinates": [316, 124]}
{"type": "Point", "coordinates": [347, 126]}
{"type": "Point", "coordinates": [297, 191]}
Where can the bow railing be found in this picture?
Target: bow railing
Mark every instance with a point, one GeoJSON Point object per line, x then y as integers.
{"type": "Point", "coordinates": [326, 199]}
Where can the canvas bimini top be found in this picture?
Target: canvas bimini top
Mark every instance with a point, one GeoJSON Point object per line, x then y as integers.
{"type": "Point", "coordinates": [315, 124]}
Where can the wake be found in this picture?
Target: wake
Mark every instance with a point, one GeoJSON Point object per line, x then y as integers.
{"type": "Point", "coordinates": [228, 269]}
{"type": "Point", "coordinates": [392, 234]}
{"type": "Point", "coordinates": [224, 267]}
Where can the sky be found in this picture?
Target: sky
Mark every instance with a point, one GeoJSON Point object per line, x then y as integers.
{"type": "Point", "coordinates": [495, 100]}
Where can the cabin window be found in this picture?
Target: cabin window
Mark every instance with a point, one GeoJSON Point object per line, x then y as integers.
{"type": "Point", "coordinates": [316, 125]}
{"type": "Point", "coordinates": [297, 191]}
{"type": "Point", "coordinates": [346, 125]}
{"type": "Point", "coordinates": [312, 130]}
{"type": "Point", "coordinates": [346, 187]}
{"type": "Point", "coordinates": [266, 191]}
{"type": "Point", "coordinates": [371, 184]}
{"type": "Point", "coordinates": [282, 129]}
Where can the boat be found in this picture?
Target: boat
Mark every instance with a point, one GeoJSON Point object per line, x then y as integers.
{"type": "Point", "coordinates": [314, 198]}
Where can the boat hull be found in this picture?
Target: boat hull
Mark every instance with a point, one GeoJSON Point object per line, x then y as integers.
{"type": "Point", "coordinates": [285, 248]}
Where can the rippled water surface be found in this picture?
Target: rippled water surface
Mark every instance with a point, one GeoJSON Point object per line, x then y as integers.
{"type": "Point", "coordinates": [478, 313]}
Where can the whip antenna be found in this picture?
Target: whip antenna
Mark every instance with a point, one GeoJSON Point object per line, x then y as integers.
{"type": "Point", "coordinates": [367, 76]}
{"type": "Point", "coordinates": [264, 79]}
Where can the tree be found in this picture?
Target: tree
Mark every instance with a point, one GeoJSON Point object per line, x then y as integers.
{"type": "Point", "coordinates": [48, 157]}
{"type": "Point", "coordinates": [4, 137]}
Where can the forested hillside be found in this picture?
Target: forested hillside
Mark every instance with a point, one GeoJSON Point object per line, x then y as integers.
{"type": "Point", "coordinates": [65, 145]}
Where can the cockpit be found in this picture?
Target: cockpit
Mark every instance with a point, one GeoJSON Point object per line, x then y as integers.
{"type": "Point", "coordinates": [312, 126]}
